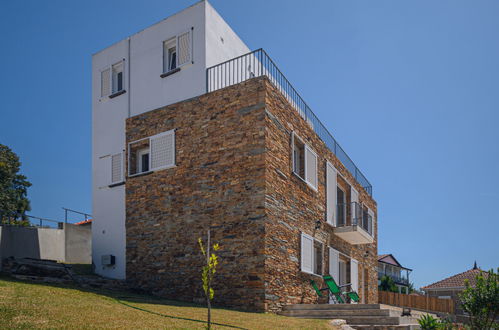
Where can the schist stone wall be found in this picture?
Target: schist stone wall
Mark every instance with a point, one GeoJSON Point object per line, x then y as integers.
{"type": "Point", "coordinates": [233, 174]}
{"type": "Point", "coordinates": [293, 207]}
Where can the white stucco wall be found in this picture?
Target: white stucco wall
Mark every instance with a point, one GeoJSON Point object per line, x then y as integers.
{"type": "Point", "coordinates": [218, 51]}
{"type": "Point", "coordinates": [145, 91]}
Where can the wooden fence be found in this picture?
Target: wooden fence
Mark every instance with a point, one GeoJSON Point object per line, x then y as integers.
{"type": "Point", "coordinates": [417, 302]}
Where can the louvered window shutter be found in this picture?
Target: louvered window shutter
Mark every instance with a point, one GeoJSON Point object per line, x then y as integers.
{"type": "Point", "coordinates": [371, 222]}
{"type": "Point", "coordinates": [116, 168]}
{"type": "Point", "coordinates": [104, 82]}
{"type": "Point", "coordinates": [307, 251]}
{"type": "Point", "coordinates": [331, 189]}
{"type": "Point", "coordinates": [184, 48]}
{"type": "Point", "coordinates": [354, 275]}
{"type": "Point", "coordinates": [162, 150]}
{"type": "Point", "coordinates": [334, 259]}
{"type": "Point", "coordinates": [356, 211]}
{"type": "Point", "coordinates": [310, 167]}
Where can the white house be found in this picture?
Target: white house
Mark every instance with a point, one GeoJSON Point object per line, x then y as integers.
{"type": "Point", "coordinates": [160, 65]}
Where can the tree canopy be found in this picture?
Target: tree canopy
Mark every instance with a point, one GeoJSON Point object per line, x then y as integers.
{"type": "Point", "coordinates": [13, 187]}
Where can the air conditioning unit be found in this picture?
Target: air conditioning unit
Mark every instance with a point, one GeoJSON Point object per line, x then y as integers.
{"type": "Point", "coordinates": [108, 260]}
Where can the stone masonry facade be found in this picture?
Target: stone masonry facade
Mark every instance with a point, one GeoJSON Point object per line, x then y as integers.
{"type": "Point", "coordinates": [233, 174]}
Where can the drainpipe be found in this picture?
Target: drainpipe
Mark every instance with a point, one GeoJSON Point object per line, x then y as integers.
{"type": "Point", "coordinates": [129, 78]}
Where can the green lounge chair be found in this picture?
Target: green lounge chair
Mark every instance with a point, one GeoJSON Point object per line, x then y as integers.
{"type": "Point", "coordinates": [334, 289]}
{"type": "Point", "coordinates": [316, 288]}
{"type": "Point", "coordinates": [353, 296]}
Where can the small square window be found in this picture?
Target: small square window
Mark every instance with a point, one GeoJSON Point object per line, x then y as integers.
{"type": "Point", "coordinates": [169, 55]}
{"type": "Point", "coordinates": [139, 157]}
{"type": "Point", "coordinates": [143, 160]}
{"type": "Point", "coordinates": [117, 77]}
{"type": "Point", "coordinates": [299, 158]}
{"type": "Point", "coordinates": [318, 257]}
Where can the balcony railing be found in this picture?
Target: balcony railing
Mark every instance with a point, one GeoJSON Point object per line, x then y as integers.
{"type": "Point", "coordinates": [396, 278]}
{"type": "Point", "coordinates": [258, 63]}
{"type": "Point", "coordinates": [353, 214]}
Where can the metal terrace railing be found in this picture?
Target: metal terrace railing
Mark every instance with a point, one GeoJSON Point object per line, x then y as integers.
{"type": "Point", "coordinates": [258, 63]}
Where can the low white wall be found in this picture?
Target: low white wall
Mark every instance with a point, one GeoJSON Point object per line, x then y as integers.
{"type": "Point", "coordinates": [71, 244]}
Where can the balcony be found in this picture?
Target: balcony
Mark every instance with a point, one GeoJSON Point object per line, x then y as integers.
{"type": "Point", "coordinates": [397, 278]}
{"type": "Point", "coordinates": [354, 224]}
{"type": "Point", "coordinates": [258, 63]}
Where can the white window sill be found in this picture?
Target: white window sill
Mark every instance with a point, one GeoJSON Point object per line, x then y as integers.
{"type": "Point", "coordinates": [118, 93]}
{"type": "Point", "coordinates": [169, 73]}
{"type": "Point", "coordinates": [309, 273]}
{"type": "Point", "coordinates": [151, 171]}
{"type": "Point", "coordinates": [305, 181]}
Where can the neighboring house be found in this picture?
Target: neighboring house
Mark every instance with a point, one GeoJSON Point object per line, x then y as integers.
{"type": "Point", "coordinates": [183, 144]}
{"type": "Point", "coordinates": [449, 288]}
{"type": "Point", "coordinates": [85, 223]}
{"type": "Point", "coordinates": [389, 266]}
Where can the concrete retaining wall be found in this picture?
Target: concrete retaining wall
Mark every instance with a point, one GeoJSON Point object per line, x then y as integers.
{"type": "Point", "coordinates": [71, 244]}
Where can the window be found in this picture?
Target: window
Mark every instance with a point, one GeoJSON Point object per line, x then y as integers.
{"type": "Point", "coordinates": [318, 258]}
{"type": "Point", "coordinates": [112, 80]}
{"type": "Point", "coordinates": [143, 160]}
{"type": "Point", "coordinates": [311, 255]}
{"type": "Point", "coordinates": [152, 153]}
{"type": "Point", "coordinates": [117, 168]}
{"type": "Point", "coordinates": [169, 55]}
{"type": "Point", "coordinates": [177, 51]}
{"type": "Point", "coordinates": [342, 206]}
{"type": "Point", "coordinates": [304, 161]}
{"type": "Point", "coordinates": [117, 77]}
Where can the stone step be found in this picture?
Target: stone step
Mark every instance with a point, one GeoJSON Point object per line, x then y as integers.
{"type": "Point", "coordinates": [339, 313]}
{"type": "Point", "coordinates": [387, 327]}
{"type": "Point", "coordinates": [331, 306]}
{"type": "Point", "coordinates": [362, 320]}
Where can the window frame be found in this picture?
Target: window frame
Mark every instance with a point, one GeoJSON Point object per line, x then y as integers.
{"type": "Point", "coordinates": [306, 148]}
{"type": "Point", "coordinates": [175, 40]}
{"type": "Point", "coordinates": [167, 45]}
{"type": "Point", "coordinates": [140, 154]}
{"type": "Point", "coordinates": [313, 258]}
{"type": "Point", "coordinates": [122, 64]}
{"type": "Point", "coordinates": [111, 92]}
{"type": "Point", "coordinates": [149, 138]}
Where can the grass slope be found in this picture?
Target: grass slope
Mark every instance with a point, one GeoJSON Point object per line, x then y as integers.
{"type": "Point", "coordinates": [32, 305]}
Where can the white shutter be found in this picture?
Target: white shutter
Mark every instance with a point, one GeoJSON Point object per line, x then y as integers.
{"type": "Point", "coordinates": [293, 152]}
{"type": "Point", "coordinates": [184, 48]}
{"type": "Point", "coordinates": [105, 82]}
{"type": "Point", "coordinates": [307, 253]}
{"type": "Point", "coordinates": [310, 167]}
{"type": "Point", "coordinates": [331, 194]}
{"type": "Point", "coordinates": [162, 150]}
{"type": "Point", "coordinates": [354, 198]}
{"type": "Point", "coordinates": [116, 168]}
{"type": "Point", "coordinates": [371, 223]}
{"type": "Point", "coordinates": [354, 275]}
{"type": "Point", "coordinates": [334, 259]}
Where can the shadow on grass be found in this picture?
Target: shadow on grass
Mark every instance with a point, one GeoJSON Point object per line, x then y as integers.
{"type": "Point", "coordinates": [117, 296]}
{"type": "Point", "coordinates": [177, 317]}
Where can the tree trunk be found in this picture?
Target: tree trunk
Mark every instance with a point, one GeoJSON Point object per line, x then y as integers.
{"type": "Point", "coordinates": [209, 312]}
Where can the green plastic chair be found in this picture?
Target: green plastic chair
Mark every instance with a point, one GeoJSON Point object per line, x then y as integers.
{"type": "Point", "coordinates": [353, 296]}
{"type": "Point", "coordinates": [316, 288]}
{"type": "Point", "coordinates": [334, 288]}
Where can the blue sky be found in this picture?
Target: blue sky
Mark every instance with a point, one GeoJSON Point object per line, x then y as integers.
{"type": "Point", "coordinates": [408, 88]}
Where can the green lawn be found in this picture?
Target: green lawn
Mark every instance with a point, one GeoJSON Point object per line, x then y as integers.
{"type": "Point", "coordinates": [31, 305]}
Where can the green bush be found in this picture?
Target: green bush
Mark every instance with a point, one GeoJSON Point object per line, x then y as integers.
{"type": "Point", "coordinates": [482, 301]}
{"type": "Point", "coordinates": [428, 322]}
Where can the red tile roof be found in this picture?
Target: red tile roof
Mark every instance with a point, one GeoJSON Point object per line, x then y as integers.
{"type": "Point", "coordinates": [84, 222]}
{"type": "Point", "coordinates": [457, 281]}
